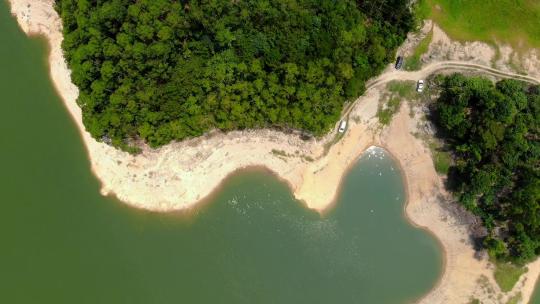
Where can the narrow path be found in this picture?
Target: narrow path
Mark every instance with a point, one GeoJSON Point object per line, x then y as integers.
{"type": "Point", "coordinates": [446, 65]}
{"type": "Point", "coordinates": [399, 75]}
{"type": "Point", "coordinates": [439, 66]}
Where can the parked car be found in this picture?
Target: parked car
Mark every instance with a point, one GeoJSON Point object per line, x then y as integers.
{"type": "Point", "coordinates": [342, 126]}
{"type": "Point", "coordinates": [420, 86]}
{"type": "Point", "coordinates": [399, 62]}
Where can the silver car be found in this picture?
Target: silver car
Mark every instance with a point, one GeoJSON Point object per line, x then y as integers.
{"type": "Point", "coordinates": [342, 126]}
{"type": "Point", "coordinates": [420, 86]}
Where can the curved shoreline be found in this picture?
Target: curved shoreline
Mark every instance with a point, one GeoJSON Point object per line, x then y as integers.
{"type": "Point", "coordinates": [316, 184]}
{"type": "Point", "coordinates": [405, 213]}
{"type": "Point", "coordinates": [444, 261]}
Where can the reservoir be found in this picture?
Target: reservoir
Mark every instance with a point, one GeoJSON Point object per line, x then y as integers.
{"type": "Point", "coordinates": [535, 298]}
{"type": "Point", "coordinates": [61, 242]}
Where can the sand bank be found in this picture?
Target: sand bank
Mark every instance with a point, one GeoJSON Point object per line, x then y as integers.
{"type": "Point", "coordinates": [181, 174]}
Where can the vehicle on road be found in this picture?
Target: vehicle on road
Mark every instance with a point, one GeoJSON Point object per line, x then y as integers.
{"type": "Point", "coordinates": [420, 86]}
{"type": "Point", "coordinates": [342, 126]}
{"type": "Point", "coordinates": [399, 62]}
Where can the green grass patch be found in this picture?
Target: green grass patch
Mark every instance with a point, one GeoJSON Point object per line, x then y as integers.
{"type": "Point", "coordinates": [422, 11]}
{"type": "Point", "coordinates": [413, 63]}
{"type": "Point", "coordinates": [385, 114]}
{"type": "Point", "coordinates": [515, 22]}
{"type": "Point", "coordinates": [398, 91]}
{"type": "Point", "coordinates": [515, 299]}
{"type": "Point", "coordinates": [442, 160]}
{"type": "Point", "coordinates": [403, 89]}
{"type": "Point", "coordinates": [507, 275]}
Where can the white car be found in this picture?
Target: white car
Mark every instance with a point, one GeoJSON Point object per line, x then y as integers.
{"type": "Point", "coordinates": [342, 126]}
{"type": "Point", "coordinates": [420, 86]}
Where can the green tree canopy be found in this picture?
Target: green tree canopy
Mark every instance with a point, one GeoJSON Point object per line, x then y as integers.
{"type": "Point", "coordinates": [162, 70]}
{"type": "Point", "coordinates": [493, 131]}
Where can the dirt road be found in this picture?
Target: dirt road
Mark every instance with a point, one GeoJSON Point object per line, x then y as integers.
{"type": "Point", "coordinates": [398, 75]}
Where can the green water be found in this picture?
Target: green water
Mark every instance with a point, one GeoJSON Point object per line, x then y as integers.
{"type": "Point", "coordinates": [535, 298]}
{"type": "Point", "coordinates": [61, 242]}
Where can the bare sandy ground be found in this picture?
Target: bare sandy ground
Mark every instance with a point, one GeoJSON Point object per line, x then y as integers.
{"type": "Point", "coordinates": [501, 57]}
{"type": "Point", "coordinates": [181, 174]}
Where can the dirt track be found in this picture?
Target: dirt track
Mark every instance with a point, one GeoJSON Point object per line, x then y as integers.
{"type": "Point", "coordinates": [446, 65]}
{"type": "Point", "coordinates": [390, 75]}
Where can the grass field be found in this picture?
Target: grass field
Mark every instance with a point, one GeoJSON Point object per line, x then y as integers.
{"type": "Point", "coordinates": [507, 275]}
{"type": "Point", "coordinates": [514, 22]}
{"type": "Point", "coordinates": [515, 299]}
{"type": "Point", "coordinates": [399, 91]}
{"type": "Point", "coordinates": [413, 62]}
{"type": "Point", "coordinates": [442, 161]}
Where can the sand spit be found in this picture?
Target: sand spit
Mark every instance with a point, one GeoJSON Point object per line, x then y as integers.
{"type": "Point", "coordinates": [179, 175]}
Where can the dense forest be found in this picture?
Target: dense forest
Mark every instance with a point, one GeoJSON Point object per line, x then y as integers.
{"type": "Point", "coordinates": [493, 132]}
{"type": "Point", "coordinates": [162, 70]}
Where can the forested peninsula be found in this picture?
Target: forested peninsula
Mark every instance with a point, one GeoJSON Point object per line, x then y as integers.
{"type": "Point", "coordinates": [493, 132]}
{"type": "Point", "coordinates": [161, 70]}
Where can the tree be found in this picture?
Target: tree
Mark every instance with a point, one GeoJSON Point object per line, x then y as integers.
{"type": "Point", "coordinates": [162, 70]}
{"type": "Point", "coordinates": [493, 131]}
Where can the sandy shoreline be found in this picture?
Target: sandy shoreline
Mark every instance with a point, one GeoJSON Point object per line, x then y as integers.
{"type": "Point", "coordinates": [182, 174]}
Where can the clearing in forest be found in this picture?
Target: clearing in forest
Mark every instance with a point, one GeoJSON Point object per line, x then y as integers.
{"type": "Point", "coordinates": [514, 22]}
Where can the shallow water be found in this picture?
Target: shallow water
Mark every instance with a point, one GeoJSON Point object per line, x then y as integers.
{"type": "Point", "coordinates": [61, 242]}
{"type": "Point", "coordinates": [535, 298]}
